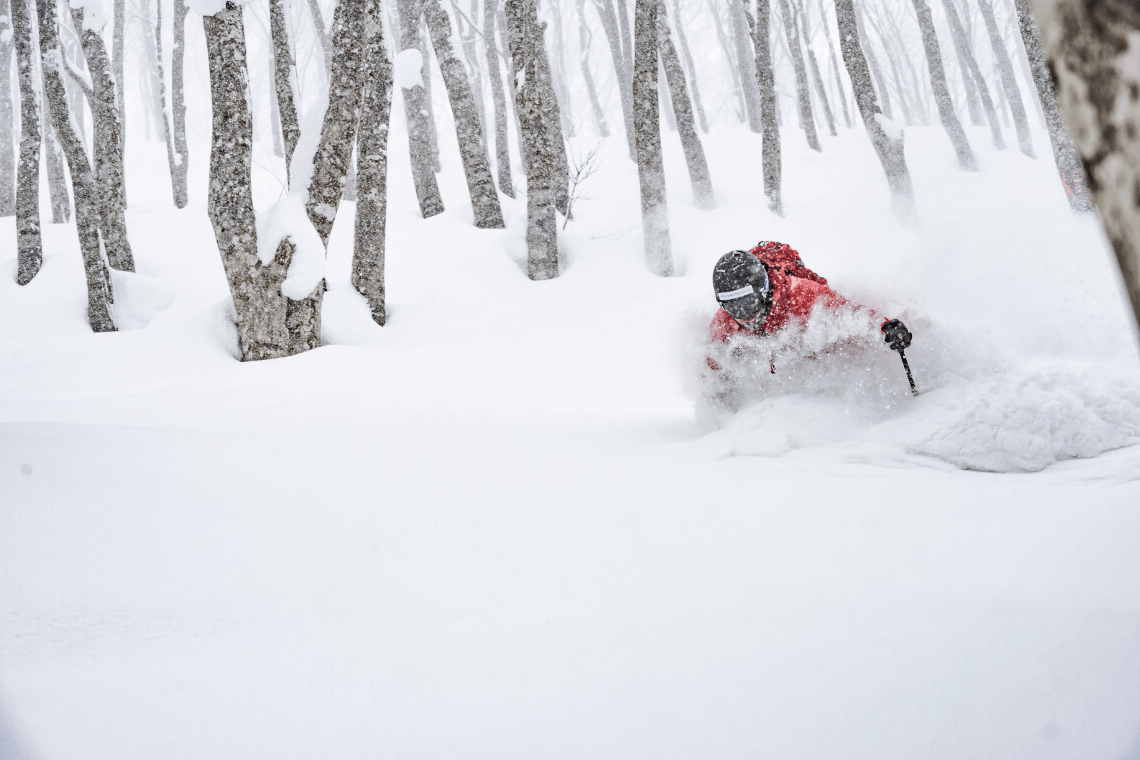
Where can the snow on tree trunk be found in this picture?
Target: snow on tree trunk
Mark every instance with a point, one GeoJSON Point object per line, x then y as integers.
{"type": "Point", "coordinates": [966, 50]}
{"type": "Point", "coordinates": [99, 295]}
{"type": "Point", "coordinates": [803, 99]}
{"type": "Point", "coordinates": [585, 38]}
{"type": "Point", "coordinates": [813, 67]}
{"type": "Point", "coordinates": [537, 146]}
{"type": "Point", "coordinates": [941, 90]}
{"type": "Point", "coordinates": [888, 144]}
{"type": "Point", "coordinates": [499, 99]}
{"type": "Point", "coordinates": [690, 67]}
{"type": "Point", "coordinates": [118, 45]}
{"type": "Point", "coordinates": [372, 165]}
{"type": "Point", "coordinates": [1069, 165]}
{"type": "Point", "coordinates": [552, 113]}
{"type": "Point", "coordinates": [416, 112]}
{"type": "Point", "coordinates": [54, 160]}
{"type": "Point", "coordinates": [608, 16]}
{"type": "Point", "coordinates": [468, 125]}
{"type": "Point", "coordinates": [7, 117]}
{"type": "Point", "coordinates": [106, 149]}
{"type": "Point", "coordinates": [770, 149]}
{"type": "Point", "coordinates": [647, 125]}
{"type": "Point", "coordinates": [178, 105]}
{"type": "Point", "coordinates": [1094, 56]}
{"type": "Point", "coordinates": [283, 81]}
{"type": "Point", "coordinates": [259, 304]}
{"type": "Point", "coordinates": [29, 245]}
{"type": "Point", "coordinates": [1009, 82]}
{"type": "Point", "coordinates": [744, 59]}
{"type": "Point", "coordinates": [425, 74]}
{"type": "Point", "coordinates": [703, 196]}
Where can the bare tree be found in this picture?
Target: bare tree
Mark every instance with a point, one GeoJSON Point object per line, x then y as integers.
{"type": "Point", "coordinates": [966, 51]}
{"type": "Point", "coordinates": [499, 98]}
{"type": "Point", "coordinates": [322, 34]}
{"type": "Point", "coordinates": [961, 51]}
{"type": "Point", "coordinates": [888, 146]}
{"type": "Point", "coordinates": [86, 209]}
{"type": "Point", "coordinates": [53, 162]}
{"type": "Point", "coordinates": [29, 244]}
{"type": "Point", "coordinates": [647, 125]}
{"type": "Point", "coordinates": [606, 12]}
{"type": "Point", "coordinates": [1009, 82]}
{"type": "Point", "coordinates": [813, 66]}
{"type": "Point", "coordinates": [416, 110]}
{"type": "Point", "coordinates": [803, 99]}
{"type": "Point", "coordinates": [941, 89]}
{"type": "Point", "coordinates": [585, 38]}
{"type": "Point", "coordinates": [690, 66]}
{"type": "Point", "coordinates": [181, 155]}
{"type": "Point", "coordinates": [770, 148]}
{"type": "Point", "coordinates": [7, 117]}
{"type": "Point", "coordinates": [866, 49]}
{"type": "Point", "coordinates": [839, 85]}
{"type": "Point", "coordinates": [730, 54]}
{"type": "Point", "coordinates": [558, 71]}
{"type": "Point", "coordinates": [283, 67]}
{"type": "Point", "coordinates": [468, 125]}
{"type": "Point", "coordinates": [698, 166]}
{"type": "Point", "coordinates": [525, 41]}
{"type": "Point", "coordinates": [552, 111]}
{"type": "Point", "coordinates": [744, 59]}
{"type": "Point", "coordinates": [467, 36]}
{"type": "Point", "coordinates": [118, 46]}
{"type": "Point", "coordinates": [1092, 52]}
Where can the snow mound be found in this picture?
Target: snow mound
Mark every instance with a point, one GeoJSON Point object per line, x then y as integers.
{"type": "Point", "coordinates": [138, 298]}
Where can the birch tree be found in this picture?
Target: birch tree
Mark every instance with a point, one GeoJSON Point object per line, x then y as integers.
{"type": "Point", "coordinates": [498, 98]}
{"type": "Point", "coordinates": [695, 160]}
{"type": "Point", "coordinates": [690, 66]}
{"type": "Point", "coordinates": [813, 66]}
{"type": "Point", "coordinates": [29, 244]}
{"type": "Point", "coordinates": [839, 85]}
{"type": "Point", "coordinates": [647, 126]}
{"type": "Point", "coordinates": [744, 58]}
{"type": "Point", "coordinates": [945, 105]}
{"type": "Point", "coordinates": [53, 162]}
{"type": "Point", "coordinates": [872, 61]}
{"type": "Point", "coordinates": [118, 45]}
{"type": "Point", "coordinates": [7, 117]}
{"type": "Point", "coordinates": [966, 51]}
{"type": "Point", "coordinates": [624, 76]}
{"type": "Point", "coordinates": [770, 147]}
{"type": "Point", "coordinates": [803, 99]}
{"type": "Point", "coordinates": [416, 111]}
{"type": "Point", "coordinates": [552, 112]}
{"type": "Point", "coordinates": [1009, 82]}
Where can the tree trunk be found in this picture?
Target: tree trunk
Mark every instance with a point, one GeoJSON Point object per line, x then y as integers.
{"type": "Point", "coordinates": [966, 50]}
{"type": "Point", "coordinates": [29, 245]}
{"type": "Point", "coordinates": [892, 63]}
{"type": "Point", "coordinates": [7, 117]}
{"type": "Point", "coordinates": [839, 84]}
{"type": "Point", "coordinates": [962, 52]}
{"type": "Point", "coordinates": [647, 124]}
{"type": "Point", "coordinates": [738, 89]}
{"type": "Point", "coordinates": [99, 295]}
{"type": "Point", "coordinates": [322, 35]}
{"type": "Point", "coordinates": [703, 196]}
{"type": "Point", "coordinates": [606, 12]}
{"type": "Point", "coordinates": [744, 59]}
{"type": "Point", "coordinates": [118, 43]}
{"type": "Point", "coordinates": [1009, 83]}
{"type": "Point", "coordinates": [803, 99]}
{"type": "Point", "coordinates": [770, 150]}
{"type": "Point", "coordinates": [499, 98]}
{"type": "Point", "coordinates": [468, 125]}
{"type": "Point", "coordinates": [178, 106]}
{"type": "Point", "coordinates": [54, 160]}
{"type": "Point", "coordinates": [1092, 53]}
{"type": "Point", "coordinates": [941, 90]}
{"type": "Point", "coordinates": [416, 110]}
{"type": "Point", "coordinates": [372, 166]}
{"type": "Point", "coordinates": [813, 67]}
{"type": "Point", "coordinates": [425, 74]}
{"type": "Point", "coordinates": [160, 99]}
{"type": "Point", "coordinates": [558, 72]}
{"type": "Point", "coordinates": [585, 37]}
{"type": "Point", "coordinates": [537, 145]}
{"type": "Point", "coordinates": [552, 113]}
{"type": "Point", "coordinates": [106, 149]}
{"type": "Point", "coordinates": [283, 81]}
{"type": "Point", "coordinates": [259, 304]}
{"type": "Point", "coordinates": [872, 60]}
{"type": "Point", "coordinates": [690, 67]}
{"type": "Point", "coordinates": [1069, 166]}
{"type": "Point", "coordinates": [889, 148]}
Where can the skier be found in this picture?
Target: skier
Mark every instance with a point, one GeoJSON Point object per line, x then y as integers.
{"type": "Point", "coordinates": [762, 290]}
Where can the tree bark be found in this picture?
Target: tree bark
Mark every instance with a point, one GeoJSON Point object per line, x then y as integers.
{"type": "Point", "coordinates": [53, 161]}
{"type": "Point", "coordinates": [118, 45]}
{"type": "Point", "coordinates": [647, 124]}
{"type": "Point", "coordinates": [372, 166]}
{"type": "Point", "coordinates": [888, 148]}
{"type": "Point", "coordinates": [1069, 165]}
{"type": "Point", "coordinates": [962, 52]}
{"type": "Point", "coordinates": [323, 36]}
{"type": "Point", "coordinates": [770, 150]}
{"type": "Point", "coordinates": [416, 111]}
{"type": "Point", "coordinates": [1009, 83]}
{"type": "Point", "coordinates": [941, 90]}
{"type": "Point", "coordinates": [1094, 55]}
{"type": "Point", "coordinates": [552, 112]}
{"type": "Point", "coordinates": [99, 295]}
{"type": "Point", "coordinates": [813, 67]}
{"type": "Point", "coordinates": [744, 59]}
{"type": "Point", "coordinates": [839, 84]}
{"type": "Point", "coordinates": [585, 37]}
{"type": "Point", "coordinates": [283, 81]}
{"type": "Point", "coordinates": [467, 36]}
{"type": "Point", "coordinates": [866, 49]}
{"type": "Point", "coordinates": [499, 99]}
{"type": "Point", "coordinates": [160, 96]}
{"type": "Point", "coordinates": [29, 244]}
{"type": "Point", "coordinates": [803, 99]}
{"type": "Point", "coordinates": [703, 196]}
{"type": "Point", "coordinates": [738, 86]}
{"type": "Point", "coordinates": [7, 117]}
{"type": "Point", "coordinates": [181, 163]}
{"type": "Point", "coordinates": [537, 146]}
{"type": "Point", "coordinates": [558, 72]}
{"type": "Point", "coordinates": [966, 50]}
{"type": "Point", "coordinates": [690, 67]}
{"type": "Point", "coordinates": [608, 16]}
{"type": "Point", "coordinates": [468, 125]}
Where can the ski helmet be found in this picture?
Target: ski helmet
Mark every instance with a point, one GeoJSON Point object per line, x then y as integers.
{"type": "Point", "coordinates": [742, 288]}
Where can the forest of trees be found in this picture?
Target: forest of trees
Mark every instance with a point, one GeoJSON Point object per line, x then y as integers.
{"type": "Point", "coordinates": [541, 72]}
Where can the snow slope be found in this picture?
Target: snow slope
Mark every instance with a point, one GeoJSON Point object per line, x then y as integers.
{"type": "Point", "coordinates": [495, 528]}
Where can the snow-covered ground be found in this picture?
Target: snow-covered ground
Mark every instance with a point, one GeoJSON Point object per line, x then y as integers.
{"type": "Point", "coordinates": [496, 528]}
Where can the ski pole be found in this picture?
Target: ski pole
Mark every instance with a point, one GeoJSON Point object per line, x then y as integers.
{"type": "Point", "coordinates": [909, 377]}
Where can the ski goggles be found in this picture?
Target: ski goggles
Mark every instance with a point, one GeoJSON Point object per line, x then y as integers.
{"type": "Point", "coordinates": [747, 305]}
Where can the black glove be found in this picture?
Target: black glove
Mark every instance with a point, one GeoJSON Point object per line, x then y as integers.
{"type": "Point", "coordinates": [896, 335]}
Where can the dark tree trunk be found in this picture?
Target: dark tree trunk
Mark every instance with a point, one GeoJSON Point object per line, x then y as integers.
{"type": "Point", "coordinates": [698, 166]}
{"type": "Point", "coordinates": [181, 164]}
{"type": "Point", "coordinates": [7, 117]}
{"type": "Point", "coordinates": [773, 169]}
{"type": "Point", "coordinates": [624, 75]}
{"type": "Point", "coordinates": [888, 148]}
{"type": "Point", "coordinates": [647, 124]}
{"type": "Point", "coordinates": [585, 37]}
{"type": "Point", "coordinates": [941, 90]}
{"type": "Point", "coordinates": [803, 99]}
{"type": "Point", "coordinates": [1009, 83]}
{"type": "Point", "coordinates": [962, 42]}
{"type": "Point", "coordinates": [283, 81]}
{"type": "Point", "coordinates": [416, 110]}
{"type": "Point", "coordinates": [537, 145]}
{"type": "Point", "coordinates": [499, 98]}
{"type": "Point", "coordinates": [372, 166]}
{"type": "Point", "coordinates": [29, 244]}
{"type": "Point", "coordinates": [86, 209]}
{"type": "Point", "coordinates": [1069, 165]}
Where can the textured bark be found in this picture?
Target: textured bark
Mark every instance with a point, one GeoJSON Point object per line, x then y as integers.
{"type": "Point", "coordinates": [690, 67]}
{"type": "Point", "coordinates": [880, 86]}
{"type": "Point", "coordinates": [29, 244]}
{"type": "Point", "coordinates": [585, 38]}
{"type": "Point", "coordinates": [53, 161]}
{"type": "Point", "coordinates": [888, 149]}
{"type": "Point", "coordinates": [425, 74]}
{"type": "Point", "coordinates": [650, 166]}
{"type": "Point", "coordinates": [558, 72]}
{"type": "Point", "coordinates": [962, 43]}
{"type": "Point", "coordinates": [1069, 165]}
{"type": "Point", "coordinates": [323, 36]}
{"type": "Point", "coordinates": [608, 16]}
{"type": "Point", "coordinates": [118, 46]}
{"type": "Point", "coordinates": [695, 160]}
{"type": "Point", "coordinates": [537, 147]}
{"type": "Point", "coordinates": [622, 11]}
{"type": "Point", "coordinates": [744, 59]}
{"type": "Point", "coordinates": [1094, 55]}
{"type": "Point", "coordinates": [416, 111]}
{"type": "Point", "coordinates": [498, 98]}
{"type": "Point", "coordinates": [803, 97]}
{"type": "Point", "coordinates": [839, 85]}
{"type": "Point", "coordinates": [106, 149]}
{"type": "Point", "coordinates": [283, 81]}
{"type": "Point", "coordinates": [813, 68]}
{"type": "Point", "coordinates": [7, 117]}
{"type": "Point", "coordinates": [468, 36]}
{"type": "Point", "coordinates": [181, 163]}
{"type": "Point", "coordinates": [468, 125]}
{"type": "Point", "coordinates": [86, 210]}
{"type": "Point", "coordinates": [941, 90]}
{"type": "Point", "coordinates": [1009, 83]}
{"type": "Point", "coordinates": [553, 115]}
{"type": "Point", "coordinates": [372, 165]}
{"type": "Point", "coordinates": [770, 149]}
